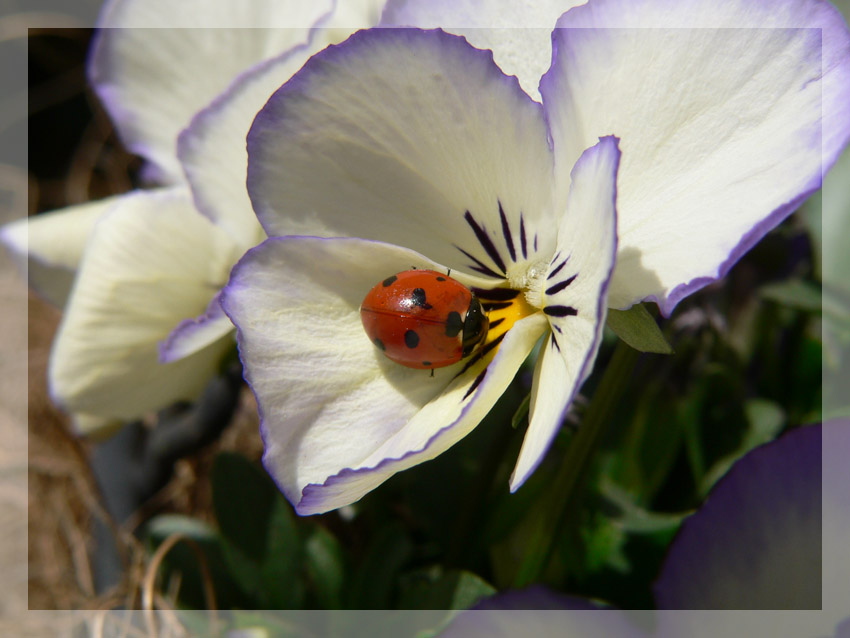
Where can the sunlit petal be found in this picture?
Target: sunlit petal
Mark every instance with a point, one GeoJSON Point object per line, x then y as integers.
{"type": "Point", "coordinates": [410, 137]}
{"type": "Point", "coordinates": [49, 246]}
{"type": "Point", "coordinates": [518, 33]}
{"type": "Point", "coordinates": [151, 262]}
{"type": "Point", "coordinates": [155, 63]}
{"type": "Point", "coordinates": [574, 299]}
{"type": "Point", "coordinates": [728, 112]}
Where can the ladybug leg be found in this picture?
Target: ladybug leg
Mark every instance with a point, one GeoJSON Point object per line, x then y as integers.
{"type": "Point", "coordinates": [432, 372]}
{"type": "Point", "coordinates": [449, 272]}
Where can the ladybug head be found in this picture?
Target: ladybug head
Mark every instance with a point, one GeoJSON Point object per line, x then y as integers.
{"type": "Point", "coordinates": [474, 327]}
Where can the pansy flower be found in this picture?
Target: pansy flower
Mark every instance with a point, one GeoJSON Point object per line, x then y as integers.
{"type": "Point", "coordinates": [667, 141]}
{"type": "Point", "coordinates": [139, 274]}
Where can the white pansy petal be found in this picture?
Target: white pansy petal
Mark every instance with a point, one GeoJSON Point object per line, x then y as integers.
{"type": "Point", "coordinates": [48, 247]}
{"type": "Point", "coordinates": [212, 149]}
{"type": "Point", "coordinates": [155, 63]}
{"type": "Point", "coordinates": [518, 33]}
{"type": "Point", "coordinates": [410, 137]}
{"type": "Point", "coordinates": [192, 335]}
{"type": "Point", "coordinates": [720, 108]}
{"type": "Point", "coordinates": [151, 262]}
{"type": "Point", "coordinates": [436, 427]}
{"type": "Point", "coordinates": [338, 418]}
{"type": "Point", "coordinates": [347, 17]}
{"type": "Point", "coordinates": [574, 299]}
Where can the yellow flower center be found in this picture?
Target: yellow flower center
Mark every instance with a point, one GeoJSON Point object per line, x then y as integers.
{"type": "Point", "coordinates": [503, 315]}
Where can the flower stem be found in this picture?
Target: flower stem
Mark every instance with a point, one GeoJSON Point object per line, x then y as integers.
{"type": "Point", "coordinates": [558, 505]}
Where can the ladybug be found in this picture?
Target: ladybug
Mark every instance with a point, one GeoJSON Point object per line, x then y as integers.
{"type": "Point", "coordinates": [424, 319]}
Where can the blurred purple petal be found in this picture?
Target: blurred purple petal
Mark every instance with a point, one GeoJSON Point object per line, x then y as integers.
{"type": "Point", "coordinates": [539, 612]}
{"type": "Point", "coordinates": [756, 541]}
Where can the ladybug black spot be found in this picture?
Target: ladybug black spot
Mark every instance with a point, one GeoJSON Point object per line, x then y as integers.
{"type": "Point", "coordinates": [417, 297]}
{"type": "Point", "coordinates": [426, 363]}
{"type": "Point", "coordinates": [454, 324]}
{"type": "Point", "coordinates": [389, 281]}
{"type": "Point", "coordinates": [380, 344]}
{"type": "Point", "coordinates": [441, 278]}
{"type": "Point", "coordinates": [411, 339]}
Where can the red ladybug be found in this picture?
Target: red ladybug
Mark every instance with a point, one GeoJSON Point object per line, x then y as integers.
{"type": "Point", "coordinates": [423, 319]}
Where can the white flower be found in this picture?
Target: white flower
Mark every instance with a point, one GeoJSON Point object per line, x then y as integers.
{"type": "Point", "coordinates": [142, 326]}
{"type": "Point", "coordinates": [414, 149]}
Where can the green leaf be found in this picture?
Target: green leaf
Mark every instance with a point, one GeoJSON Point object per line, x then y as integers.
{"type": "Point", "coordinates": [161, 527]}
{"type": "Point", "coordinates": [521, 411]}
{"type": "Point", "coordinates": [243, 497]}
{"type": "Point", "coordinates": [633, 518]}
{"type": "Point", "coordinates": [325, 565]}
{"type": "Point", "coordinates": [261, 545]}
{"type": "Point", "coordinates": [282, 587]}
{"type": "Point", "coordinates": [437, 589]}
{"type": "Point", "coordinates": [796, 293]}
{"type": "Point", "coordinates": [183, 561]}
{"type": "Point", "coordinates": [267, 624]}
{"type": "Point", "coordinates": [836, 311]}
{"type": "Point", "coordinates": [375, 580]}
{"type": "Point", "coordinates": [637, 328]}
{"type": "Point", "coordinates": [245, 572]}
{"type": "Point", "coordinates": [766, 420]}
{"type": "Point", "coordinates": [196, 622]}
{"type": "Point", "coordinates": [394, 623]}
{"type": "Point", "coordinates": [652, 440]}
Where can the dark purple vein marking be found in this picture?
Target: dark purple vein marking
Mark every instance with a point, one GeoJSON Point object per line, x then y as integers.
{"type": "Point", "coordinates": [560, 286]}
{"type": "Point", "coordinates": [475, 384]}
{"type": "Point", "coordinates": [558, 329]}
{"type": "Point", "coordinates": [560, 311]}
{"type": "Point", "coordinates": [496, 294]}
{"type": "Point", "coordinates": [489, 307]}
{"type": "Point", "coordinates": [522, 236]}
{"type": "Point", "coordinates": [506, 231]}
{"type": "Point", "coordinates": [493, 324]}
{"type": "Point", "coordinates": [535, 242]}
{"type": "Point", "coordinates": [480, 354]}
{"type": "Point", "coordinates": [485, 241]}
{"type": "Point", "coordinates": [484, 270]}
{"type": "Point", "coordinates": [555, 342]}
{"type": "Point", "coordinates": [558, 269]}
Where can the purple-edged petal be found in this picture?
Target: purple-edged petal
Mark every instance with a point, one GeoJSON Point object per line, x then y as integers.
{"type": "Point", "coordinates": [155, 63]}
{"type": "Point", "coordinates": [542, 613]}
{"type": "Point", "coordinates": [151, 262]}
{"type": "Point", "coordinates": [48, 247]}
{"type": "Point", "coordinates": [192, 335]}
{"type": "Point", "coordinates": [410, 137]}
{"type": "Point", "coordinates": [518, 33]}
{"type": "Point", "coordinates": [347, 17]}
{"type": "Point", "coordinates": [212, 149]}
{"type": "Point", "coordinates": [213, 154]}
{"type": "Point", "coordinates": [728, 114]}
{"type": "Point", "coordinates": [573, 298]}
{"type": "Point", "coordinates": [836, 524]}
{"type": "Point", "coordinates": [756, 541]}
{"type": "Point", "coordinates": [339, 418]}
{"type": "Point", "coordinates": [784, 507]}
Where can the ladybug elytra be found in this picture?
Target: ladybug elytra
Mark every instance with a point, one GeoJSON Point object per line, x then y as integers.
{"type": "Point", "coordinates": [423, 319]}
